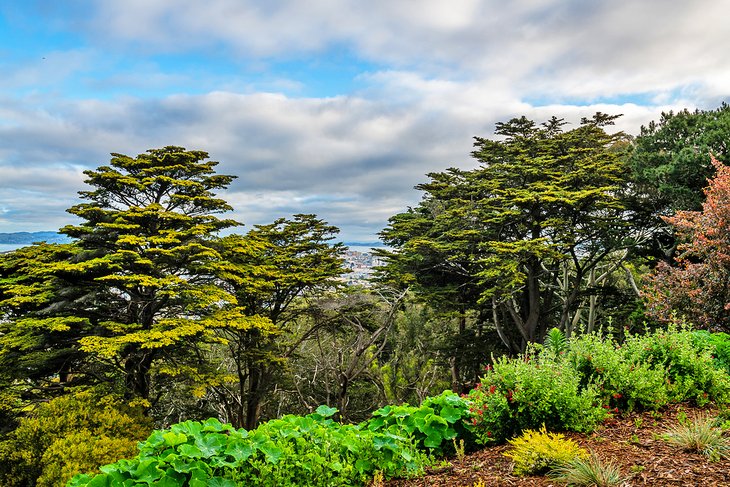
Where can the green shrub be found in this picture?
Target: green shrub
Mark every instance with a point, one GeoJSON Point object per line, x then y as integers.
{"type": "Point", "coordinates": [433, 425]}
{"type": "Point", "coordinates": [623, 382]}
{"type": "Point", "coordinates": [717, 343]}
{"type": "Point", "coordinates": [533, 390]}
{"type": "Point", "coordinates": [538, 452]}
{"type": "Point", "coordinates": [690, 372]}
{"type": "Point", "coordinates": [648, 371]}
{"type": "Point", "coordinates": [70, 434]}
{"type": "Point", "coordinates": [294, 450]}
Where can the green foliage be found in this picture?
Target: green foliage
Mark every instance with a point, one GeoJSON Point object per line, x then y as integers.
{"type": "Point", "coordinates": [555, 341]}
{"type": "Point", "coordinates": [649, 371]}
{"type": "Point", "coordinates": [70, 434]}
{"type": "Point", "coordinates": [701, 436]}
{"type": "Point", "coordinates": [717, 343]}
{"type": "Point", "coordinates": [588, 472]}
{"type": "Point", "coordinates": [269, 271]}
{"type": "Point", "coordinates": [537, 452]}
{"type": "Point", "coordinates": [593, 377]}
{"type": "Point", "coordinates": [293, 450]}
{"type": "Point", "coordinates": [524, 229]}
{"type": "Point", "coordinates": [433, 425]}
{"type": "Point", "coordinates": [670, 161]}
{"type": "Point", "coordinates": [623, 381]}
{"type": "Point", "coordinates": [531, 391]}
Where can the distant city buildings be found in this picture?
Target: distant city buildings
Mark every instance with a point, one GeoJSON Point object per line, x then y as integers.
{"type": "Point", "coordinates": [361, 265]}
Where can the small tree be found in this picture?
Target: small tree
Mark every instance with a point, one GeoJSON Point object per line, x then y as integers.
{"type": "Point", "coordinates": [269, 271]}
{"type": "Point", "coordinates": [697, 288]}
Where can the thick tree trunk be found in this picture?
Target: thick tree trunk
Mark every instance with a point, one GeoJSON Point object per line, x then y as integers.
{"type": "Point", "coordinates": [137, 374]}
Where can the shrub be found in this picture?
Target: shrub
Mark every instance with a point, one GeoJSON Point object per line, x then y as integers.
{"type": "Point", "coordinates": [70, 434]}
{"type": "Point", "coordinates": [537, 452]}
{"type": "Point", "coordinates": [701, 436]}
{"type": "Point", "coordinates": [690, 372]}
{"type": "Point", "coordinates": [717, 343]}
{"type": "Point", "coordinates": [588, 472]}
{"type": "Point", "coordinates": [648, 371]}
{"type": "Point", "coordinates": [623, 382]}
{"type": "Point", "coordinates": [534, 390]}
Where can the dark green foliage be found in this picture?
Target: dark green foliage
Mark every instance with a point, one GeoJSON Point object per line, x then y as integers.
{"type": "Point", "coordinates": [433, 425]}
{"type": "Point", "coordinates": [670, 166]}
{"type": "Point", "coordinates": [518, 239]}
{"type": "Point", "coordinates": [671, 159]}
{"type": "Point", "coordinates": [294, 450]}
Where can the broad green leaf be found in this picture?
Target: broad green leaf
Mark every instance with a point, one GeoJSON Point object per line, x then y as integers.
{"type": "Point", "coordinates": [174, 439]}
{"type": "Point", "coordinates": [326, 411]}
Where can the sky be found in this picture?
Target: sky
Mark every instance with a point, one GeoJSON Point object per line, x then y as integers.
{"type": "Point", "coordinates": [337, 108]}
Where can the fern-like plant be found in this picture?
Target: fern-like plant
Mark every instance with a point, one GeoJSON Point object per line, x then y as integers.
{"type": "Point", "coordinates": [556, 342]}
{"type": "Point", "coordinates": [538, 452]}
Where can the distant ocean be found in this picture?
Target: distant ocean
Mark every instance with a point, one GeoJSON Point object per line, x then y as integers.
{"type": "Point", "coordinates": [9, 247]}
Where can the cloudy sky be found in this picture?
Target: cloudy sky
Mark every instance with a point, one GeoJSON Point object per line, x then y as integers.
{"type": "Point", "coordinates": [333, 107]}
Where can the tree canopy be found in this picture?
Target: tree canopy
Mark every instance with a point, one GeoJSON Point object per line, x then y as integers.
{"type": "Point", "coordinates": [519, 236]}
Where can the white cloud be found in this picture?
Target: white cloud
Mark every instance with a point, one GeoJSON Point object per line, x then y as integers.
{"type": "Point", "coordinates": [446, 72]}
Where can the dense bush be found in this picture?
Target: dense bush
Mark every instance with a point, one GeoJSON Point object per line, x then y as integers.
{"type": "Point", "coordinates": [529, 392]}
{"type": "Point", "coordinates": [717, 343]}
{"type": "Point", "coordinates": [649, 371]}
{"type": "Point", "coordinates": [623, 381]}
{"type": "Point", "coordinates": [293, 450]}
{"type": "Point", "coordinates": [70, 434]}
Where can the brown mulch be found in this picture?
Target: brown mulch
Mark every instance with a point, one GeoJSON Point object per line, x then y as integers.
{"type": "Point", "coordinates": [633, 441]}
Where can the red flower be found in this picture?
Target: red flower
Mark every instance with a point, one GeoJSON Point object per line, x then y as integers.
{"type": "Point", "coordinates": [492, 389]}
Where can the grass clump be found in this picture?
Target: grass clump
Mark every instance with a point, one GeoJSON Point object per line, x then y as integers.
{"type": "Point", "coordinates": [701, 436]}
{"type": "Point", "coordinates": [538, 452]}
{"type": "Point", "coordinates": [589, 471]}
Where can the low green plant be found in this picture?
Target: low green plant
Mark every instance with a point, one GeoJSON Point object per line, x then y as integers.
{"type": "Point", "coordinates": [689, 370]}
{"type": "Point", "coordinates": [294, 450]}
{"type": "Point", "coordinates": [588, 471]}
{"type": "Point", "coordinates": [538, 452]}
{"type": "Point", "coordinates": [434, 425]}
{"type": "Point", "coordinates": [701, 436]}
{"type": "Point", "coordinates": [717, 343]}
{"type": "Point", "coordinates": [555, 342]}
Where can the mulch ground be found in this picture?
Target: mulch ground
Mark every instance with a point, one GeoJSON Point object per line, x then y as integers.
{"type": "Point", "coordinates": [633, 441]}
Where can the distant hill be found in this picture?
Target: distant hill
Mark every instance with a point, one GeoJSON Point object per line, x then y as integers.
{"type": "Point", "coordinates": [27, 238]}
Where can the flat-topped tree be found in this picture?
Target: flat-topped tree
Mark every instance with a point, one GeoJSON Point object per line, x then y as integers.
{"type": "Point", "coordinates": [145, 266]}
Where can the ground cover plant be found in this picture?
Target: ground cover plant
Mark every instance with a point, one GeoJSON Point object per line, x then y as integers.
{"type": "Point", "coordinates": [432, 425]}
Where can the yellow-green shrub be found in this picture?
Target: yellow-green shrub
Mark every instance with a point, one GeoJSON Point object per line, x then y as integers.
{"type": "Point", "coordinates": [537, 452]}
{"type": "Point", "coordinates": [70, 434]}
